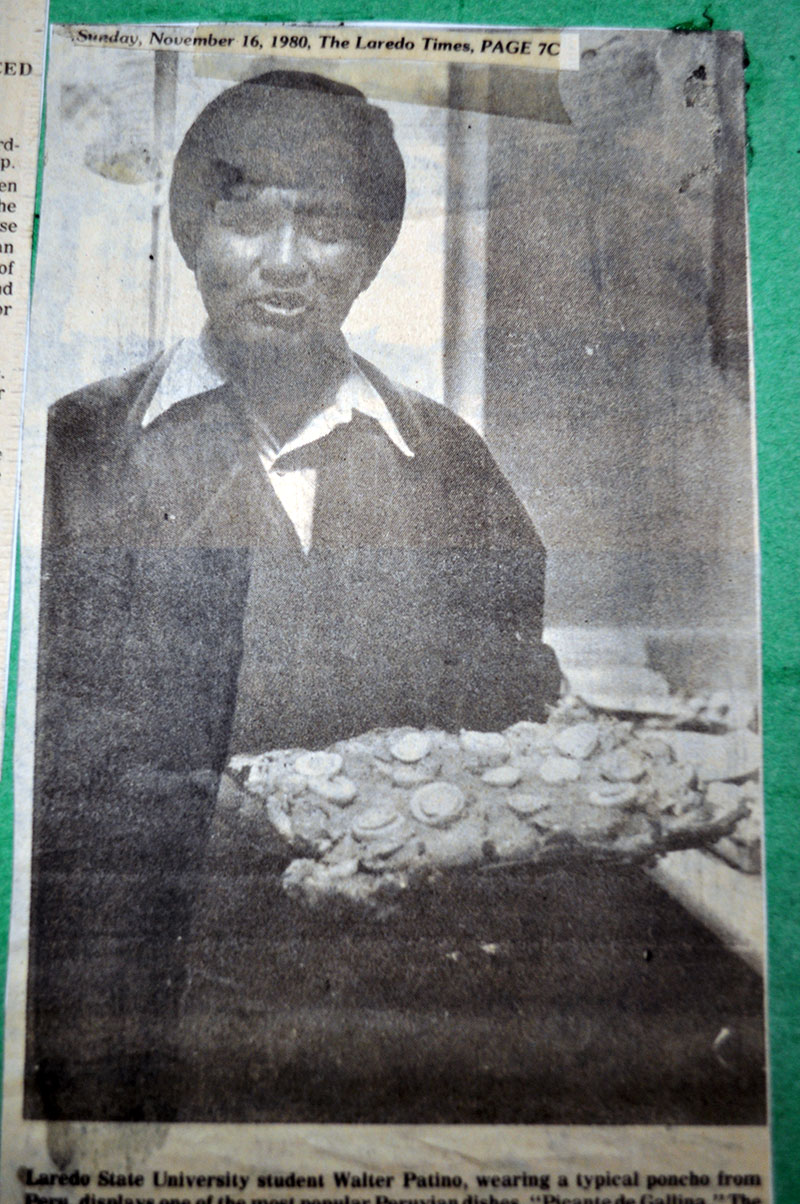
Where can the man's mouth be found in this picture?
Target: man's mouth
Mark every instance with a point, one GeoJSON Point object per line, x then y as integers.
{"type": "Point", "coordinates": [278, 306]}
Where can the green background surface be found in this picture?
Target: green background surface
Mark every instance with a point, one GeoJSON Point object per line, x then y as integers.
{"type": "Point", "coordinates": [772, 39]}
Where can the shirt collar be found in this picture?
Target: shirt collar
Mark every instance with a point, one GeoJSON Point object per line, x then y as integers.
{"type": "Point", "coordinates": [190, 372]}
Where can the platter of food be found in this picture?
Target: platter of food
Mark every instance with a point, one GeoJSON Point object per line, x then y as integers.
{"type": "Point", "coordinates": [378, 814]}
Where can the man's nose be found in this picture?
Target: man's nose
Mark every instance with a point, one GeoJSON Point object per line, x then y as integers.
{"type": "Point", "coordinates": [280, 260]}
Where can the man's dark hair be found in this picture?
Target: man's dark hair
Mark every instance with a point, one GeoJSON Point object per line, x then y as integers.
{"type": "Point", "coordinates": [291, 129]}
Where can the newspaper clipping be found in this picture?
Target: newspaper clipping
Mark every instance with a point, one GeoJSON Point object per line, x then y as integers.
{"type": "Point", "coordinates": [22, 37]}
{"type": "Point", "coordinates": [388, 762]}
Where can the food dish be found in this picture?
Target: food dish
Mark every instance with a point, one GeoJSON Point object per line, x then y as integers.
{"type": "Point", "coordinates": [375, 815]}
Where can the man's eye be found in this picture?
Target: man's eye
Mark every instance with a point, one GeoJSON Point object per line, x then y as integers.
{"type": "Point", "coordinates": [328, 227]}
{"type": "Point", "coordinates": [239, 215]}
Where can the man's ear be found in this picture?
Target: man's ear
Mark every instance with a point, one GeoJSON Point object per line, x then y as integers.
{"type": "Point", "coordinates": [367, 277]}
{"type": "Point", "coordinates": [373, 265]}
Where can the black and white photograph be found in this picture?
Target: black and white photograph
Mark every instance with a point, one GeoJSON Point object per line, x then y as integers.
{"type": "Point", "coordinates": [390, 675]}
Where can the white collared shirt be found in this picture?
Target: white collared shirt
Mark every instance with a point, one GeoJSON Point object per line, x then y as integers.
{"type": "Point", "coordinates": [189, 373]}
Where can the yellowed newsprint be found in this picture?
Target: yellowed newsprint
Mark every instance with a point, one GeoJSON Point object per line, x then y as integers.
{"type": "Point", "coordinates": [387, 778]}
{"type": "Point", "coordinates": [22, 36]}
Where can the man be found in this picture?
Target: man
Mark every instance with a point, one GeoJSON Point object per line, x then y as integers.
{"type": "Point", "coordinates": [253, 541]}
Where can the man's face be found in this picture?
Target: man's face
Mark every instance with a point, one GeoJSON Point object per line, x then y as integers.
{"type": "Point", "coordinates": [280, 268]}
